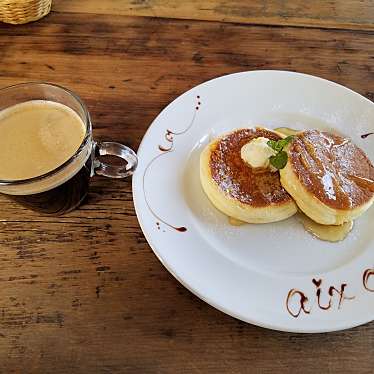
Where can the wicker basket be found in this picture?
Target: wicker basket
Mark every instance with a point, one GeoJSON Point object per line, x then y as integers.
{"type": "Point", "coordinates": [23, 11]}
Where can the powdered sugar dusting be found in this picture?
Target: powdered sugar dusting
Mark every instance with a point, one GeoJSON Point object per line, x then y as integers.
{"type": "Point", "coordinates": [237, 179]}
{"type": "Point", "coordinates": [324, 163]}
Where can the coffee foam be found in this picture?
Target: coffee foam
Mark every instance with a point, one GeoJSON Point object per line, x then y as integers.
{"type": "Point", "coordinates": [51, 137]}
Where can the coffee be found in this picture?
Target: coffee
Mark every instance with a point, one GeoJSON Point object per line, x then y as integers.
{"type": "Point", "coordinates": [36, 137]}
{"type": "Point", "coordinates": [47, 154]}
{"type": "Point", "coordinates": [60, 199]}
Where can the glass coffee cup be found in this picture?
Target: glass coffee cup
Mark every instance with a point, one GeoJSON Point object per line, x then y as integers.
{"type": "Point", "coordinates": [65, 186]}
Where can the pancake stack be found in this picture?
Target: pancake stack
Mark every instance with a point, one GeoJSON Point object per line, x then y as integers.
{"type": "Point", "coordinates": [320, 178]}
{"type": "Point", "coordinates": [236, 189]}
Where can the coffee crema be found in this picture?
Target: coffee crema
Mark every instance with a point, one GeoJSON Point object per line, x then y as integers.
{"type": "Point", "coordinates": [36, 137]}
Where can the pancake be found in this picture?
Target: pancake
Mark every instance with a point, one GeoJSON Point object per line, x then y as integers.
{"type": "Point", "coordinates": [319, 175]}
{"type": "Point", "coordinates": [235, 188]}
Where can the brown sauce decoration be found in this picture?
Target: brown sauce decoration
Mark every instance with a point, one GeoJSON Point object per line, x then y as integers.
{"type": "Point", "coordinates": [180, 229]}
{"type": "Point", "coordinates": [365, 279]}
{"type": "Point", "coordinates": [324, 163]}
{"type": "Point", "coordinates": [364, 136]}
{"type": "Point", "coordinates": [317, 283]}
{"type": "Point", "coordinates": [332, 290]}
{"type": "Point", "coordinates": [302, 300]}
{"type": "Point", "coordinates": [239, 180]}
{"type": "Point", "coordinates": [341, 294]}
{"type": "Point", "coordinates": [169, 134]}
{"type": "Point", "coordinates": [169, 137]}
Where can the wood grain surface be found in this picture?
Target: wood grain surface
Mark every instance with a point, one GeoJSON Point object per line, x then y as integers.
{"type": "Point", "coordinates": [84, 293]}
{"type": "Point", "coordinates": [353, 14]}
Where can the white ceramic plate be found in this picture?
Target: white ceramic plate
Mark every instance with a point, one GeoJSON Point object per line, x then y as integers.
{"type": "Point", "coordinates": [269, 275]}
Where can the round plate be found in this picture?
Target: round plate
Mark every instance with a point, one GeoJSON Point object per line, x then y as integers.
{"type": "Point", "coordinates": [273, 275]}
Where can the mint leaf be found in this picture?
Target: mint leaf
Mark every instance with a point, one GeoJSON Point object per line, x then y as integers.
{"type": "Point", "coordinates": [285, 141]}
{"type": "Point", "coordinates": [278, 145]}
{"type": "Point", "coordinates": [279, 161]}
{"type": "Point", "coordinates": [274, 144]}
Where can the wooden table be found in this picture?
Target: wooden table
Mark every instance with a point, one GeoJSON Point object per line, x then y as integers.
{"type": "Point", "coordinates": [84, 293]}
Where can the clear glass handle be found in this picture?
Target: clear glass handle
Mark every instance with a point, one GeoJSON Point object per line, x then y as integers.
{"type": "Point", "coordinates": [114, 149]}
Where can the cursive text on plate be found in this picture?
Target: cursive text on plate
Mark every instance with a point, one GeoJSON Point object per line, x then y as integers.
{"type": "Point", "coordinates": [298, 302]}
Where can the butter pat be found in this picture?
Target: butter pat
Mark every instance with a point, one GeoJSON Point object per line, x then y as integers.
{"type": "Point", "coordinates": [256, 153]}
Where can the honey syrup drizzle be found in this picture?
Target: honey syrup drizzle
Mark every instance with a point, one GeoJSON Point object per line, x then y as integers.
{"type": "Point", "coordinates": [329, 233]}
{"type": "Point", "coordinates": [236, 222]}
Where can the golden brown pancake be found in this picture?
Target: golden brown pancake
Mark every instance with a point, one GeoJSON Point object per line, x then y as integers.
{"type": "Point", "coordinates": [238, 190]}
{"type": "Point", "coordinates": [318, 175]}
